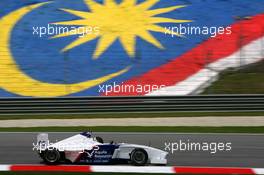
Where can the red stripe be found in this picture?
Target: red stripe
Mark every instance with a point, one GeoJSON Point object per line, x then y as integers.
{"type": "Point", "coordinates": [189, 170]}
{"type": "Point", "coordinates": [194, 60]}
{"type": "Point", "coordinates": [178, 170]}
{"type": "Point", "coordinates": [38, 168]}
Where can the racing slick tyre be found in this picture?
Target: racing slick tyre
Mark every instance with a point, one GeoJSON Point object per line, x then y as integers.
{"type": "Point", "coordinates": [51, 157]}
{"type": "Point", "coordinates": [139, 157]}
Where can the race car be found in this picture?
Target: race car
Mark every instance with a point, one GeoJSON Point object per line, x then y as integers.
{"type": "Point", "coordinates": [84, 148]}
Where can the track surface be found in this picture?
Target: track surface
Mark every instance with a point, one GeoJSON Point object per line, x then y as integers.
{"type": "Point", "coordinates": [247, 150]}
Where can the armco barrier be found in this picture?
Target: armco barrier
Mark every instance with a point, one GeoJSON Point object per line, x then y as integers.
{"type": "Point", "coordinates": [131, 169]}
{"type": "Point", "coordinates": [221, 103]}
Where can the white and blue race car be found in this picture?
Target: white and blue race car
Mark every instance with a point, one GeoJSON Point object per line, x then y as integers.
{"type": "Point", "coordinates": [83, 148]}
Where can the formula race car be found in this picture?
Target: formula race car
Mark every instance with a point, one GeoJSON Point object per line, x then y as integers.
{"type": "Point", "coordinates": [83, 148]}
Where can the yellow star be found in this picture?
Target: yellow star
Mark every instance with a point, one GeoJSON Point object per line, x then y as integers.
{"type": "Point", "coordinates": [124, 21]}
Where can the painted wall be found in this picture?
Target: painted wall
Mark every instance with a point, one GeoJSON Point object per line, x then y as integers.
{"type": "Point", "coordinates": [87, 47]}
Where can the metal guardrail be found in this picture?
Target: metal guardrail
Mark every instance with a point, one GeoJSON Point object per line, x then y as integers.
{"type": "Point", "coordinates": [83, 105]}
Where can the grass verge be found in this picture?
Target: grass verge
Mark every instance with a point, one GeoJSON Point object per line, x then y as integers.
{"type": "Point", "coordinates": [132, 115]}
{"type": "Point", "coordinates": [247, 80]}
{"type": "Point", "coordinates": [140, 129]}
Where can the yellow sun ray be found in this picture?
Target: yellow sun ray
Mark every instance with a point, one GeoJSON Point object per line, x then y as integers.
{"type": "Point", "coordinates": [129, 41]}
{"type": "Point", "coordinates": [79, 41]}
{"type": "Point", "coordinates": [124, 22]}
{"type": "Point", "coordinates": [94, 6]}
{"type": "Point", "coordinates": [147, 4]}
{"type": "Point", "coordinates": [156, 20]}
{"type": "Point", "coordinates": [104, 42]}
{"type": "Point", "coordinates": [164, 10]}
{"type": "Point", "coordinates": [159, 29]}
{"type": "Point", "coordinates": [110, 3]}
{"type": "Point", "coordinates": [71, 23]}
{"type": "Point", "coordinates": [147, 36]}
{"type": "Point", "coordinates": [128, 3]}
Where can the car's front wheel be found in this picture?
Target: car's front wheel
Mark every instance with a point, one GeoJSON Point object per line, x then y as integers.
{"type": "Point", "coordinates": [139, 157]}
{"type": "Point", "coordinates": [51, 156]}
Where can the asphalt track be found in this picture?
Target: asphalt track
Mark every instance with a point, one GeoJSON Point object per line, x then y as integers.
{"type": "Point", "coordinates": [247, 150]}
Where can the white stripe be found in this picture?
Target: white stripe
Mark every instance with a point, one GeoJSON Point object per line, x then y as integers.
{"type": "Point", "coordinates": [4, 167]}
{"type": "Point", "coordinates": [132, 169]}
{"type": "Point", "coordinates": [250, 53]}
{"type": "Point", "coordinates": [258, 170]}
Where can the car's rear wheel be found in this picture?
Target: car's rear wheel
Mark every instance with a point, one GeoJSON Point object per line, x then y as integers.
{"type": "Point", "coordinates": [52, 156]}
{"type": "Point", "coordinates": [139, 157]}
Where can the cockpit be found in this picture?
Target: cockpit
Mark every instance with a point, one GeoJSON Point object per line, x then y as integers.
{"type": "Point", "coordinates": [98, 139]}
